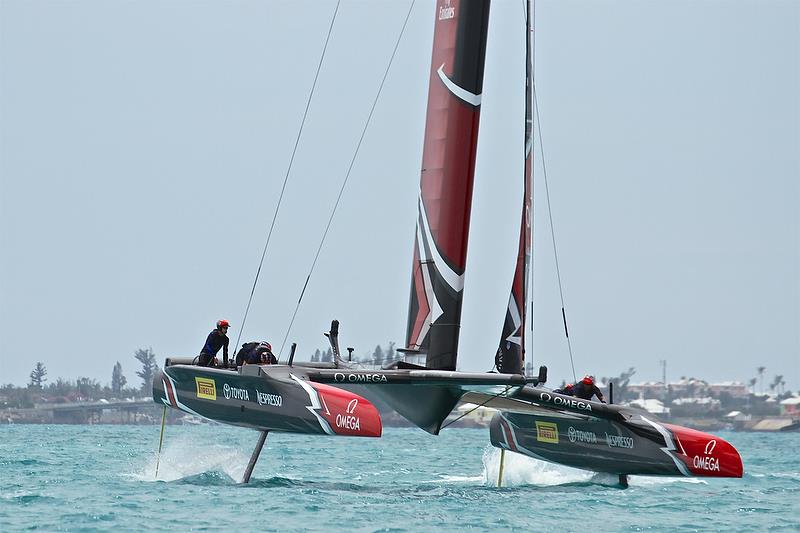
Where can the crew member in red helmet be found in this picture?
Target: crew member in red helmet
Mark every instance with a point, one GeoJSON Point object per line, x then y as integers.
{"type": "Point", "coordinates": [216, 339]}
{"type": "Point", "coordinates": [567, 389]}
{"type": "Point", "coordinates": [585, 389]}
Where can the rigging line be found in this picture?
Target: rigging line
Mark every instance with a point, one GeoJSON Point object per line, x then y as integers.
{"type": "Point", "coordinates": [552, 230]}
{"type": "Point", "coordinates": [346, 177]}
{"type": "Point", "coordinates": [286, 177]}
{"type": "Point", "coordinates": [508, 387]}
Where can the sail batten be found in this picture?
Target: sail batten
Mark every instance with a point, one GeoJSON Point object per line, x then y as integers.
{"type": "Point", "coordinates": [446, 182]}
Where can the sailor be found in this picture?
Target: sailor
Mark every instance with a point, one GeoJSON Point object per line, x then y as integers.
{"type": "Point", "coordinates": [585, 389]}
{"type": "Point", "coordinates": [567, 389]}
{"type": "Point", "coordinates": [216, 339]}
{"type": "Point", "coordinates": [255, 353]}
{"type": "Point", "coordinates": [267, 357]}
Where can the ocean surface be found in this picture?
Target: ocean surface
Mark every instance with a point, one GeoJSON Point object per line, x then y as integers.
{"type": "Point", "coordinates": [102, 478]}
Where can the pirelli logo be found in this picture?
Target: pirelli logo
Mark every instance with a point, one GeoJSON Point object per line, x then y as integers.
{"type": "Point", "coordinates": [547, 432]}
{"type": "Point", "coordinates": [206, 388]}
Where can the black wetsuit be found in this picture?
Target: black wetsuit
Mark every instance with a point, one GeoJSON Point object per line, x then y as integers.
{"type": "Point", "coordinates": [215, 340]}
{"type": "Point", "coordinates": [254, 353]}
{"type": "Point", "coordinates": [567, 390]}
{"type": "Point", "coordinates": [586, 392]}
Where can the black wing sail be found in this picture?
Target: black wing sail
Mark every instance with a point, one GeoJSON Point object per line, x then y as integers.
{"type": "Point", "coordinates": [448, 168]}
{"type": "Point", "coordinates": [510, 357]}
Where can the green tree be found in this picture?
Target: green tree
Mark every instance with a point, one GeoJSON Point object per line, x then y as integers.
{"type": "Point", "coordinates": [118, 381]}
{"type": "Point", "coordinates": [761, 370]}
{"type": "Point", "coordinates": [621, 384]}
{"type": "Point", "coordinates": [391, 354]}
{"type": "Point", "coordinates": [149, 367]}
{"type": "Point", "coordinates": [61, 387]}
{"type": "Point", "coordinates": [88, 388]}
{"type": "Point", "coordinates": [377, 356]}
{"type": "Point", "coordinates": [316, 357]}
{"type": "Point", "coordinates": [38, 376]}
{"type": "Point", "coordinates": [775, 386]}
{"type": "Point", "coordinates": [327, 356]}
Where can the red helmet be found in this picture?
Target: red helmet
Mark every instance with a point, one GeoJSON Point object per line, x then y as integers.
{"type": "Point", "coordinates": [223, 324]}
{"type": "Point", "coordinates": [588, 380]}
{"type": "Point", "coordinates": [267, 345]}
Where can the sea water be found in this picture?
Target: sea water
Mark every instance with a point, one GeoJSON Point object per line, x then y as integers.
{"type": "Point", "coordinates": [102, 478]}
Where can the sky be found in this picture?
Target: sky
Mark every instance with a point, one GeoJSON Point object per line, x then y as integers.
{"type": "Point", "coordinates": [143, 146]}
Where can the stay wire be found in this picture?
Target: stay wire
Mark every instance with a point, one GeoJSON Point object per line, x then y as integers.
{"type": "Point", "coordinates": [286, 177]}
{"type": "Point", "coordinates": [499, 394]}
{"type": "Point", "coordinates": [346, 178]}
{"type": "Point", "coordinates": [552, 230]}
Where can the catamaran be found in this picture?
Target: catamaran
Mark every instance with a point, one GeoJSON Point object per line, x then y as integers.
{"type": "Point", "coordinates": [332, 398]}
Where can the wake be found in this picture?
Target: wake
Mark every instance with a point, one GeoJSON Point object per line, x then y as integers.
{"type": "Point", "coordinates": [184, 458]}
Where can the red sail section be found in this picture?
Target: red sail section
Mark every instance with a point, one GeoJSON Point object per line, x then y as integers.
{"type": "Point", "coordinates": [510, 357]}
{"type": "Point", "coordinates": [448, 167]}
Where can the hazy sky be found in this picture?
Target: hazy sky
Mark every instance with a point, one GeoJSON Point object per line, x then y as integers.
{"type": "Point", "coordinates": [143, 146]}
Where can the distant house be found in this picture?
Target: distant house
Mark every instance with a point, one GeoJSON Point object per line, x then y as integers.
{"type": "Point", "coordinates": [687, 388]}
{"type": "Point", "coordinates": [791, 407]}
{"type": "Point", "coordinates": [705, 401]}
{"type": "Point", "coordinates": [736, 389]}
{"type": "Point", "coordinates": [648, 389]}
{"type": "Point", "coordinates": [475, 414]}
{"type": "Point", "coordinates": [737, 416]}
{"type": "Point", "coordinates": [652, 405]}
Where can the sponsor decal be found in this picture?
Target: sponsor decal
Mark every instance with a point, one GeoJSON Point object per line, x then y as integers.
{"type": "Point", "coordinates": [546, 432]}
{"type": "Point", "coordinates": [341, 377]}
{"type": "Point", "coordinates": [446, 11]}
{"type": "Point", "coordinates": [710, 446]}
{"type": "Point", "coordinates": [576, 435]}
{"type": "Point", "coordinates": [235, 393]}
{"type": "Point", "coordinates": [707, 462]}
{"type": "Point", "coordinates": [566, 402]}
{"type": "Point", "coordinates": [348, 420]}
{"type": "Point", "coordinates": [351, 406]}
{"type": "Point", "coordinates": [618, 441]}
{"type": "Point", "coordinates": [206, 388]}
{"type": "Point", "coordinates": [264, 398]}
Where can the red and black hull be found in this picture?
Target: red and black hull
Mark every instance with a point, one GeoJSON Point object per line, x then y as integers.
{"type": "Point", "coordinates": [611, 439]}
{"type": "Point", "coordinates": [267, 398]}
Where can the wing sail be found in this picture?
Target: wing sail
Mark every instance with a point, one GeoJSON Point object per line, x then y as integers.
{"type": "Point", "coordinates": [448, 167]}
{"type": "Point", "coordinates": [510, 356]}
